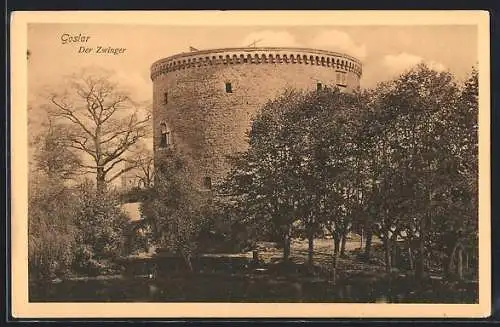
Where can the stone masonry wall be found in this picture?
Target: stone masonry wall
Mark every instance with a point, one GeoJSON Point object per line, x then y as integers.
{"type": "Point", "coordinates": [208, 123]}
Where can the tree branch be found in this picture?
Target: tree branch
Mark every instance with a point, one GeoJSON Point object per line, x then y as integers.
{"type": "Point", "coordinates": [68, 114]}
{"type": "Point", "coordinates": [118, 174]}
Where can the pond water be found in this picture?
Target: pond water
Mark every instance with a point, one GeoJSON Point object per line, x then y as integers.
{"type": "Point", "coordinates": [251, 288]}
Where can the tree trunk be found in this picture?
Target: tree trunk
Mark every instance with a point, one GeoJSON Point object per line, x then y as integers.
{"type": "Point", "coordinates": [460, 271]}
{"type": "Point", "coordinates": [395, 251]}
{"type": "Point", "coordinates": [286, 245]}
{"type": "Point", "coordinates": [310, 252]}
{"type": "Point", "coordinates": [343, 243]}
{"type": "Point", "coordinates": [187, 259]}
{"type": "Point", "coordinates": [334, 264]}
{"type": "Point", "coordinates": [387, 254]}
{"type": "Point", "coordinates": [445, 265]}
{"type": "Point", "coordinates": [450, 262]}
{"type": "Point", "coordinates": [368, 243]}
{"type": "Point", "coordinates": [410, 257]}
{"type": "Point", "coordinates": [100, 180]}
{"type": "Point", "coordinates": [146, 244]}
{"type": "Point", "coordinates": [394, 254]}
{"type": "Point", "coordinates": [421, 258]}
{"type": "Point", "coordinates": [361, 239]}
{"type": "Point", "coordinates": [336, 245]}
{"type": "Point", "coordinates": [466, 261]}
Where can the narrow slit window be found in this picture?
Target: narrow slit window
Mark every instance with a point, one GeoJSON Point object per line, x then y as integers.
{"type": "Point", "coordinates": [319, 86]}
{"type": "Point", "coordinates": [229, 87]}
{"type": "Point", "coordinates": [207, 183]}
{"type": "Point", "coordinates": [165, 97]}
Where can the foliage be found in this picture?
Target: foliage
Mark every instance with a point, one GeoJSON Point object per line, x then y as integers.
{"type": "Point", "coordinates": [290, 180]}
{"type": "Point", "coordinates": [52, 157]}
{"type": "Point", "coordinates": [101, 229]}
{"type": "Point", "coordinates": [177, 207]}
{"type": "Point", "coordinates": [71, 229]}
{"type": "Point", "coordinates": [400, 159]}
{"type": "Point", "coordinates": [51, 230]}
{"type": "Point", "coordinates": [260, 180]}
{"type": "Point", "coordinates": [423, 137]}
{"type": "Point", "coordinates": [51, 205]}
{"type": "Point", "coordinates": [69, 226]}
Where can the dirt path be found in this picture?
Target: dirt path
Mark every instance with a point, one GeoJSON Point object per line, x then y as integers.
{"type": "Point", "coordinates": [323, 250]}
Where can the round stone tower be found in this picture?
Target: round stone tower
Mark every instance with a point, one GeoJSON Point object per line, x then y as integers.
{"type": "Point", "coordinates": [204, 101]}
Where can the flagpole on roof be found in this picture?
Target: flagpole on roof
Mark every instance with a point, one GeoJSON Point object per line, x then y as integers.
{"type": "Point", "coordinates": [254, 43]}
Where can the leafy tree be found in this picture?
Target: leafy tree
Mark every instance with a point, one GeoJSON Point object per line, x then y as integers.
{"type": "Point", "coordinates": [51, 232]}
{"type": "Point", "coordinates": [265, 181]}
{"type": "Point", "coordinates": [418, 161]}
{"type": "Point", "coordinates": [51, 206]}
{"type": "Point", "coordinates": [52, 157]}
{"type": "Point", "coordinates": [100, 225]}
{"type": "Point", "coordinates": [72, 229]}
{"type": "Point", "coordinates": [458, 225]}
{"type": "Point", "coordinates": [299, 166]}
{"type": "Point", "coordinates": [337, 162]}
{"type": "Point", "coordinates": [177, 207]}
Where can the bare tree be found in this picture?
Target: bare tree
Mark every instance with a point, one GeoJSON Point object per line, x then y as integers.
{"type": "Point", "coordinates": [139, 164]}
{"type": "Point", "coordinates": [102, 122]}
{"type": "Point", "coordinates": [144, 171]}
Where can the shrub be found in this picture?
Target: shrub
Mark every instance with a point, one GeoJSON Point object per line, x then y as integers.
{"type": "Point", "coordinates": [101, 225]}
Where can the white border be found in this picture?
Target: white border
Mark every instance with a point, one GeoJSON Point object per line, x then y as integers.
{"type": "Point", "coordinates": [21, 308]}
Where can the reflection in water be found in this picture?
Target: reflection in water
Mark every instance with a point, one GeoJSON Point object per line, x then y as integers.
{"type": "Point", "coordinates": [248, 288]}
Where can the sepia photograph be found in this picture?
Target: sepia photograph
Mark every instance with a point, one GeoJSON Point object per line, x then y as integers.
{"type": "Point", "coordinates": [170, 162]}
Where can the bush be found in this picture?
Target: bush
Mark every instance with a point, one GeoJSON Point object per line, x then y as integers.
{"type": "Point", "coordinates": [176, 207]}
{"type": "Point", "coordinates": [50, 229]}
{"type": "Point", "coordinates": [101, 225]}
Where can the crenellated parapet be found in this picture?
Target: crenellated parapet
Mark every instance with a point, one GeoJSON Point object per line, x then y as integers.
{"type": "Point", "coordinates": [256, 56]}
{"type": "Point", "coordinates": [204, 102]}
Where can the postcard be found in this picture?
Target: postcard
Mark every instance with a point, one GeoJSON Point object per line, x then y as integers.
{"type": "Point", "coordinates": [294, 164]}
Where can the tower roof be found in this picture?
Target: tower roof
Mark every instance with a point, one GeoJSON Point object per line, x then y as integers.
{"type": "Point", "coordinates": [257, 55]}
{"type": "Point", "coordinates": [259, 49]}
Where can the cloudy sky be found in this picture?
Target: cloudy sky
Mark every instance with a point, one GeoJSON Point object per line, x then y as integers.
{"type": "Point", "coordinates": [384, 50]}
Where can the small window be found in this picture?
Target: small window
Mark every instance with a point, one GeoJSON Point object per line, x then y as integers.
{"type": "Point", "coordinates": [207, 183]}
{"type": "Point", "coordinates": [165, 97]}
{"type": "Point", "coordinates": [245, 180]}
{"type": "Point", "coordinates": [229, 88]}
{"type": "Point", "coordinates": [341, 78]}
{"type": "Point", "coordinates": [165, 135]}
{"type": "Point", "coordinates": [319, 86]}
{"type": "Point", "coordinates": [165, 139]}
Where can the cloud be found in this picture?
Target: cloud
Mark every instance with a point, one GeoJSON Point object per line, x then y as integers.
{"type": "Point", "coordinates": [270, 38]}
{"type": "Point", "coordinates": [396, 64]}
{"type": "Point", "coordinates": [401, 62]}
{"type": "Point", "coordinates": [437, 66]}
{"type": "Point", "coordinates": [335, 40]}
{"type": "Point", "coordinates": [135, 83]}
